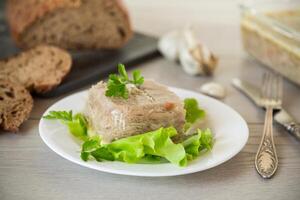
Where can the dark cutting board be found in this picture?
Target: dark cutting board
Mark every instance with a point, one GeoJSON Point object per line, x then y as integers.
{"type": "Point", "coordinates": [90, 66]}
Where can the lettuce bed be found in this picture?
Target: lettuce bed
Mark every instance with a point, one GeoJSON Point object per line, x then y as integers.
{"type": "Point", "coordinates": [151, 147]}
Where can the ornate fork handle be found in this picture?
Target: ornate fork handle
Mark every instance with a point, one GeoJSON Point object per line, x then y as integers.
{"type": "Point", "coordinates": [266, 161]}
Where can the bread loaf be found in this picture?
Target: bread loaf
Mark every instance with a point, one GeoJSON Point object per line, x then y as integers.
{"type": "Point", "coordinates": [70, 24]}
{"type": "Point", "coordinates": [39, 69]}
{"type": "Point", "coordinates": [15, 105]}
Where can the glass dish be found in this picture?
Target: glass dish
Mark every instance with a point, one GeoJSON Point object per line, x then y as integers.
{"type": "Point", "coordinates": [271, 34]}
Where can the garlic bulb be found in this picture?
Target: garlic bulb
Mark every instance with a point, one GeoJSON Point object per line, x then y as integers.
{"type": "Point", "coordinates": [194, 57]}
{"type": "Point", "coordinates": [189, 63]}
{"type": "Point", "coordinates": [198, 60]}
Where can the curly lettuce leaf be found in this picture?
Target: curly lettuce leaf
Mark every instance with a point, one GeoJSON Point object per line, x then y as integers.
{"type": "Point", "coordinates": [148, 146]}
{"type": "Point", "coordinates": [77, 124]}
{"type": "Point", "coordinates": [152, 147]}
{"type": "Point", "coordinates": [202, 141]}
{"type": "Point", "coordinates": [193, 111]}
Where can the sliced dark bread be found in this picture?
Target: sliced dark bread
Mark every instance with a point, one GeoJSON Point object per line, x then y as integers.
{"type": "Point", "coordinates": [70, 24]}
{"type": "Point", "coordinates": [39, 69]}
{"type": "Point", "coordinates": [15, 105]}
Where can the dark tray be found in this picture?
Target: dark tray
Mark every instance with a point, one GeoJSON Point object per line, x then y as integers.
{"type": "Point", "coordinates": [91, 66]}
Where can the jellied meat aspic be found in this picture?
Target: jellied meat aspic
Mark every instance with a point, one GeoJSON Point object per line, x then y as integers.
{"type": "Point", "coordinates": [149, 107]}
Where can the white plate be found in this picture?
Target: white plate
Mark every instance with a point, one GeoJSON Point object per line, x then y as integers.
{"type": "Point", "coordinates": [229, 128]}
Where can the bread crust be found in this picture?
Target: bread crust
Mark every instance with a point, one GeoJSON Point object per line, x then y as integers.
{"type": "Point", "coordinates": [15, 105]}
{"type": "Point", "coordinates": [125, 12]}
{"type": "Point", "coordinates": [49, 77]}
{"type": "Point", "coordinates": [22, 14]}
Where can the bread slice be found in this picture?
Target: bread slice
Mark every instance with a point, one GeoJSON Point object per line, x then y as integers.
{"type": "Point", "coordinates": [70, 24]}
{"type": "Point", "coordinates": [39, 69]}
{"type": "Point", "coordinates": [15, 105]}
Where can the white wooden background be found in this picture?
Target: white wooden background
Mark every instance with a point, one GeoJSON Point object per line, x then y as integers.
{"type": "Point", "coordinates": [29, 170]}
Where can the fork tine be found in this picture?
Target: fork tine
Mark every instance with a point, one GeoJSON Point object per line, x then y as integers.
{"type": "Point", "coordinates": [271, 91]}
{"type": "Point", "coordinates": [264, 86]}
{"type": "Point", "coordinates": [279, 88]}
{"type": "Point", "coordinates": [274, 87]}
{"type": "Point", "coordinates": [270, 86]}
{"type": "Point", "coordinates": [267, 86]}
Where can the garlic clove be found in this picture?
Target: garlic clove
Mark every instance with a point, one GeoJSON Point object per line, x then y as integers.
{"type": "Point", "coordinates": [189, 63]}
{"type": "Point", "coordinates": [189, 38]}
{"type": "Point", "coordinates": [205, 58]}
{"type": "Point", "coordinates": [214, 90]}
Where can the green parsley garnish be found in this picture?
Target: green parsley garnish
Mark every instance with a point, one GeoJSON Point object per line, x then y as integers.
{"type": "Point", "coordinates": [116, 85]}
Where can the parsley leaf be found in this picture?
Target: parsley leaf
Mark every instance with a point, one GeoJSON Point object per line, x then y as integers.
{"type": "Point", "coordinates": [137, 78]}
{"type": "Point", "coordinates": [122, 72]}
{"type": "Point", "coordinates": [115, 88]}
{"type": "Point", "coordinates": [116, 85]}
{"type": "Point", "coordinates": [61, 115]}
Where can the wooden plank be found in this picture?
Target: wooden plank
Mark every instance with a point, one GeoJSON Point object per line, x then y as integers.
{"type": "Point", "coordinates": [30, 170]}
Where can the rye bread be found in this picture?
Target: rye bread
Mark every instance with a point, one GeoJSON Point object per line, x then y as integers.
{"type": "Point", "coordinates": [15, 105]}
{"type": "Point", "coordinates": [39, 69]}
{"type": "Point", "coordinates": [70, 24]}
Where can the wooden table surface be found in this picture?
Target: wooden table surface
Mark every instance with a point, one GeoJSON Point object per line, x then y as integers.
{"type": "Point", "coordinates": [29, 170]}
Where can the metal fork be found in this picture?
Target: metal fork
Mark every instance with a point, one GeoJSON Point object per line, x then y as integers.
{"type": "Point", "coordinates": [266, 160]}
